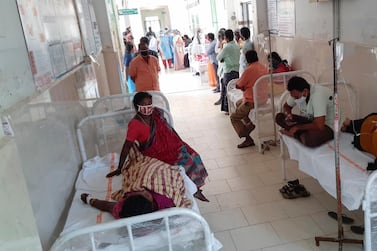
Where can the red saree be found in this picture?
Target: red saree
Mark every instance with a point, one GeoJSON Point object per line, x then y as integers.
{"type": "Point", "coordinates": [164, 144]}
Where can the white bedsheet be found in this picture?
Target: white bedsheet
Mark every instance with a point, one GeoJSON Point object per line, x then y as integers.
{"type": "Point", "coordinates": [92, 180]}
{"type": "Point", "coordinates": [320, 164]}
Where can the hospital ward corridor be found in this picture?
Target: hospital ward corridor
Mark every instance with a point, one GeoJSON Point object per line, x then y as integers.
{"type": "Point", "coordinates": [188, 125]}
{"type": "Point", "coordinates": [246, 210]}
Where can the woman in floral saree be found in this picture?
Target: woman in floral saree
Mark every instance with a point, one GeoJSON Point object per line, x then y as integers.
{"type": "Point", "coordinates": [157, 139]}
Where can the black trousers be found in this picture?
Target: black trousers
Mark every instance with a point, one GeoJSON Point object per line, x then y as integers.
{"type": "Point", "coordinates": [224, 100]}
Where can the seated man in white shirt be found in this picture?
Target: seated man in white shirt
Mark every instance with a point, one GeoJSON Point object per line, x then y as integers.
{"type": "Point", "coordinates": [313, 126]}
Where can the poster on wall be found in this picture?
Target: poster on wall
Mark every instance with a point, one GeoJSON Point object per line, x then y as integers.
{"type": "Point", "coordinates": [52, 36]}
{"type": "Point", "coordinates": [281, 17]}
{"type": "Point", "coordinates": [36, 42]}
{"type": "Point", "coordinates": [272, 16]}
{"type": "Point", "coordinates": [286, 18]}
{"type": "Point", "coordinates": [97, 38]}
{"type": "Point", "coordinates": [89, 28]}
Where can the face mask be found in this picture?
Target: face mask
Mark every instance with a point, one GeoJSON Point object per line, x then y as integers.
{"type": "Point", "coordinates": [275, 65]}
{"type": "Point", "coordinates": [144, 53]}
{"type": "Point", "coordinates": [300, 101]}
{"type": "Point", "coordinates": [145, 109]}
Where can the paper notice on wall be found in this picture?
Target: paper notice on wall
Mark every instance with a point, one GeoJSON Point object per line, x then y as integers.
{"type": "Point", "coordinates": [286, 18]}
{"type": "Point", "coordinates": [6, 126]}
{"type": "Point", "coordinates": [36, 42]}
{"type": "Point", "coordinates": [272, 15]}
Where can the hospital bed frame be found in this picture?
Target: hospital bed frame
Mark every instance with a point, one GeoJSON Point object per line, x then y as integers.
{"type": "Point", "coordinates": [129, 222]}
{"type": "Point", "coordinates": [124, 101]}
{"type": "Point", "coordinates": [265, 112]}
{"type": "Point", "coordinates": [101, 117]}
{"type": "Point", "coordinates": [354, 159]}
{"type": "Point", "coordinates": [88, 233]}
{"type": "Point", "coordinates": [352, 111]}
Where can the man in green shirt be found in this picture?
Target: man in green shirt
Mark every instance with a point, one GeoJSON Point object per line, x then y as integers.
{"type": "Point", "coordinates": [230, 57]}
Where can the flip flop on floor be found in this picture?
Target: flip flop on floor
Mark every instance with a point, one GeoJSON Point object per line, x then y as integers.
{"type": "Point", "coordinates": [345, 218]}
{"type": "Point", "coordinates": [358, 229]}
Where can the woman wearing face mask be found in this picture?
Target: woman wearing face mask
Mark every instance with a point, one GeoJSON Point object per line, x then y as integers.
{"type": "Point", "coordinates": [278, 65]}
{"type": "Point", "coordinates": [313, 126]}
{"type": "Point", "coordinates": [157, 139]}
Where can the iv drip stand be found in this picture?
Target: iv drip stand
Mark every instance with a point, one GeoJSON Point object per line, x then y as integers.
{"type": "Point", "coordinates": [340, 239]}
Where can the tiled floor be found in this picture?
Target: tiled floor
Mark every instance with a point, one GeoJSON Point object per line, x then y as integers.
{"type": "Point", "coordinates": [246, 211]}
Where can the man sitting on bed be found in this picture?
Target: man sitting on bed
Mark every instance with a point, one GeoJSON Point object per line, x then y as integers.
{"type": "Point", "coordinates": [148, 185]}
{"type": "Point", "coordinates": [313, 126]}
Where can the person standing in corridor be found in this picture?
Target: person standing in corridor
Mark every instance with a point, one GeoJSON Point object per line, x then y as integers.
{"type": "Point", "coordinates": [144, 70]}
{"type": "Point", "coordinates": [230, 57]}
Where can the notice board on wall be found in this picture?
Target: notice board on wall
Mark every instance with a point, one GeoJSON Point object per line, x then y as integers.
{"type": "Point", "coordinates": [89, 27]}
{"type": "Point", "coordinates": [54, 45]}
{"type": "Point", "coordinates": [52, 37]}
{"type": "Point", "coordinates": [281, 17]}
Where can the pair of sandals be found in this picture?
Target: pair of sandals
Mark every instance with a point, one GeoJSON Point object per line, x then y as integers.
{"type": "Point", "coordinates": [294, 190]}
{"type": "Point", "coordinates": [357, 229]}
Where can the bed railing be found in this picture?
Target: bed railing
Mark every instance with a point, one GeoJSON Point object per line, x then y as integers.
{"type": "Point", "coordinates": [370, 213]}
{"type": "Point", "coordinates": [262, 112]}
{"type": "Point", "coordinates": [67, 241]}
{"type": "Point", "coordinates": [124, 101]}
{"type": "Point", "coordinates": [107, 127]}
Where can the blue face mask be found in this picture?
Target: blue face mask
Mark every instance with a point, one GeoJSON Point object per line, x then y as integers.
{"type": "Point", "coordinates": [275, 64]}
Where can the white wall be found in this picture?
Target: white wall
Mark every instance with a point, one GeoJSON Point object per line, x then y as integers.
{"type": "Point", "coordinates": [314, 20]}
{"type": "Point", "coordinates": [18, 229]}
{"type": "Point", "coordinates": [359, 21]}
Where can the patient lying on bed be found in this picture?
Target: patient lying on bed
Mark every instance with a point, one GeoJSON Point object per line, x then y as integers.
{"type": "Point", "coordinates": [148, 185]}
{"type": "Point", "coordinates": [365, 135]}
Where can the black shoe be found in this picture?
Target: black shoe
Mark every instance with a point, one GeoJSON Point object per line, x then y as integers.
{"type": "Point", "coordinates": [345, 218]}
{"type": "Point", "coordinates": [218, 102]}
{"type": "Point", "coordinates": [357, 229]}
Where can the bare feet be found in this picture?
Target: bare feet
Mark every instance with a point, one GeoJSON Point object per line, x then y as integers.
{"type": "Point", "coordinates": [345, 124]}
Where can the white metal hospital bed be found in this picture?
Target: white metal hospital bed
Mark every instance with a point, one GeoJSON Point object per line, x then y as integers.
{"type": "Point", "coordinates": [86, 228]}
{"type": "Point", "coordinates": [320, 162]}
{"type": "Point", "coordinates": [124, 101]}
{"type": "Point", "coordinates": [262, 115]}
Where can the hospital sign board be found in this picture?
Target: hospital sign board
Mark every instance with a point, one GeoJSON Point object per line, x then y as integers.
{"type": "Point", "coordinates": [132, 11]}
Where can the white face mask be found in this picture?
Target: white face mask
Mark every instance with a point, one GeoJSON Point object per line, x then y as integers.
{"type": "Point", "coordinates": [300, 101]}
{"type": "Point", "coordinates": [145, 109]}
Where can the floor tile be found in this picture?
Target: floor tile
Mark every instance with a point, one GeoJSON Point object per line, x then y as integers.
{"type": "Point", "coordinates": [294, 229]}
{"type": "Point", "coordinates": [235, 199]}
{"type": "Point", "coordinates": [226, 220]}
{"type": "Point", "coordinates": [292, 246]}
{"type": "Point", "coordinates": [226, 240]}
{"type": "Point", "coordinates": [256, 214]}
{"type": "Point", "coordinates": [255, 237]}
